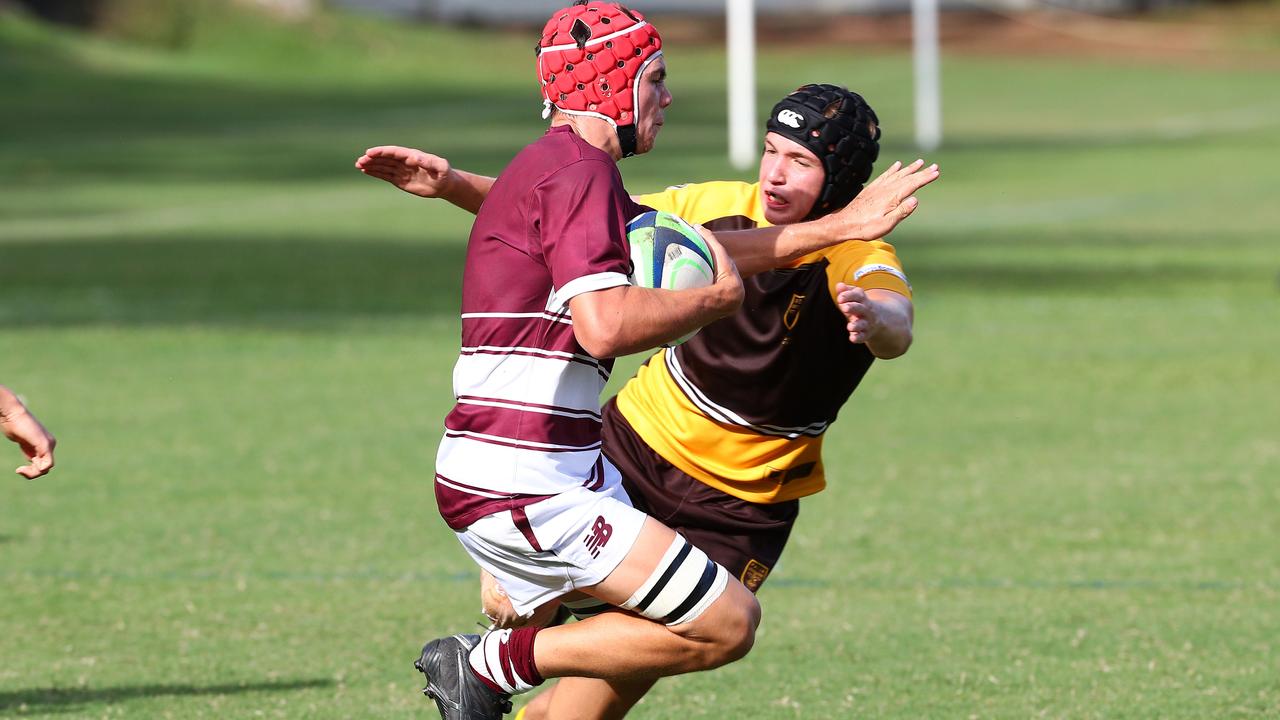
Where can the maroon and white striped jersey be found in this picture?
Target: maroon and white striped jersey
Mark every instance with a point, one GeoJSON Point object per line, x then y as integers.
{"type": "Point", "coordinates": [527, 420]}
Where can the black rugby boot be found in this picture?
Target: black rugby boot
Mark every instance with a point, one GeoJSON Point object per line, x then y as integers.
{"type": "Point", "coordinates": [458, 692]}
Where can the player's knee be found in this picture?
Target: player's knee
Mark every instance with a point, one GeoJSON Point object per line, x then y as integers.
{"type": "Point", "coordinates": [688, 591]}
{"type": "Point", "coordinates": [735, 626]}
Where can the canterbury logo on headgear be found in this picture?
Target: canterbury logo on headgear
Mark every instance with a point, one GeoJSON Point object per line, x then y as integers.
{"type": "Point", "coordinates": [791, 118]}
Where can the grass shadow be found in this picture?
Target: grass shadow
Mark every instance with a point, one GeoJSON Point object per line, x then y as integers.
{"type": "Point", "coordinates": [212, 280]}
{"type": "Point", "coordinates": [62, 700]}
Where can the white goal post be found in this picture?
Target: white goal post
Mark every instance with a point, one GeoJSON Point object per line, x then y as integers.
{"type": "Point", "coordinates": [740, 22]}
{"type": "Point", "coordinates": [740, 18]}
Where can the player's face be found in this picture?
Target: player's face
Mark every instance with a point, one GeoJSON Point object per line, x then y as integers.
{"type": "Point", "coordinates": [791, 179]}
{"type": "Point", "coordinates": [653, 98]}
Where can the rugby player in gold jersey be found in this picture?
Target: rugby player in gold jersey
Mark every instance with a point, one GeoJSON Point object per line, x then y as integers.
{"type": "Point", "coordinates": [721, 436]}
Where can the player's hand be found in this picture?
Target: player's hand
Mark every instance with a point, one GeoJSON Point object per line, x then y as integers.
{"type": "Point", "coordinates": [502, 615]}
{"type": "Point", "coordinates": [413, 171]}
{"type": "Point", "coordinates": [36, 442]}
{"type": "Point", "coordinates": [885, 201]}
{"type": "Point", "coordinates": [861, 312]}
{"type": "Point", "coordinates": [727, 278]}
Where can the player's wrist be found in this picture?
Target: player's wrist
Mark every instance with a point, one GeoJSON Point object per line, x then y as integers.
{"type": "Point", "coordinates": [448, 184]}
{"type": "Point", "coordinates": [852, 228]}
{"type": "Point", "coordinates": [729, 295]}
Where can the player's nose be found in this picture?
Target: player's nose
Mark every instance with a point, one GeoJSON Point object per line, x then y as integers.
{"type": "Point", "coordinates": [775, 175]}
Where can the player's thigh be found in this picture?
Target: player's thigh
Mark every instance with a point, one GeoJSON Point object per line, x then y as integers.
{"type": "Point", "coordinates": [637, 566]}
{"type": "Point", "coordinates": [571, 540]}
{"type": "Point", "coordinates": [666, 579]}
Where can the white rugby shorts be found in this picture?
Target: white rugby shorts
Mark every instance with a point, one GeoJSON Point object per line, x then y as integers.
{"type": "Point", "coordinates": [566, 542]}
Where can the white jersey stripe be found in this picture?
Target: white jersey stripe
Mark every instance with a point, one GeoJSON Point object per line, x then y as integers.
{"type": "Point", "coordinates": [517, 443]}
{"type": "Point", "coordinates": [722, 414]}
{"type": "Point", "coordinates": [472, 491]}
{"type": "Point", "coordinates": [540, 352]}
{"type": "Point", "coordinates": [587, 283]}
{"type": "Point", "coordinates": [549, 382]}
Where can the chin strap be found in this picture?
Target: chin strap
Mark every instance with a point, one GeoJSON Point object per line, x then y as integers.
{"type": "Point", "coordinates": [627, 139]}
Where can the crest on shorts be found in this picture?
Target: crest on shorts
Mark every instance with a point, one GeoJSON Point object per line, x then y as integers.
{"type": "Point", "coordinates": [754, 574]}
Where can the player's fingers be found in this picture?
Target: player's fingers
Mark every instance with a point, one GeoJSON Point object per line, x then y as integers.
{"type": "Point", "coordinates": [899, 171]}
{"type": "Point", "coordinates": [721, 257]}
{"type": "Point", "coordinates": [365, 161]}
{"type": "Point", "coordinates": [43, 462]}
{"type": "Point", "coordinates": [396, 176]}
{"type": "Point", "coordinates": [387, 151]}
{"type": "Point", "coordinates": [29, 472]}
{"type": "Point", "coordinates": [919, 179]}
{"type": "Point", "coordinates": [854, 310]}
{"type": "Point", "coordinates": [882, 178]}
{"type": "Point", "coordinates": [392, 165]}
{"type": "Point", "coordinates": [433, 163]}
{"type": "Point", "coordinates": [904, 209]}
{"type": "Point", "coordinates": [849, 293]}
{"type": "Point", "coordinates": [889, 170]}
{"type": "Point", "coordinates": [849, 303]}
{"type": "Point", "coordinates": [389, 177]}
{"type": "Point", "coordinates": [908, 169]}
{"type": "Point", "coordinates": [374, 152]}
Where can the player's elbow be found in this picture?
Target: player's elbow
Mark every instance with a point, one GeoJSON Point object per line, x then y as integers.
{"type": "Point", "coordinates": [598, 322]}
{"type": "Point", "coordinates": [599, 340]}
{"type": "Point", "coordinates": [894, 346]}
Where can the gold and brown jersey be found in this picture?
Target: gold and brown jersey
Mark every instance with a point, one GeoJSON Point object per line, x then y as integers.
{"type": "Point", "coordinates": [744, 404]}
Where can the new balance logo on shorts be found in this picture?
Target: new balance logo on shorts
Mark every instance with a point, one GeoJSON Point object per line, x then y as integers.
{"type": "Point", "coordinates": [598, 536]}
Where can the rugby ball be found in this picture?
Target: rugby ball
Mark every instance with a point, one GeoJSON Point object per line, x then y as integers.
{"type": "Point", "coordinates": [667, 253]}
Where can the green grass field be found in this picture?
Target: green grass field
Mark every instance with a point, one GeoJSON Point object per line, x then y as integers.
{"type": "Point", "coordinates": [1062, 503]}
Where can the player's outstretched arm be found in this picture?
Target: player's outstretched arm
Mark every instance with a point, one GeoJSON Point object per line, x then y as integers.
{"type": "Point", "coordinates": [627, 319]}
{"type": "Point", "coordinates": [874, 213]}
{"type": "Point", "coordinates": [20, 426]}
{"type": "Point", "coordinates": [881, 319]}
{"type": "Point", "coordinates": [425, 175]}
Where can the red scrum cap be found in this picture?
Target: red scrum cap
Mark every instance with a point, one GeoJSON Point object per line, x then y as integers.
{"type": "Point", "coordinates": [589, 60]}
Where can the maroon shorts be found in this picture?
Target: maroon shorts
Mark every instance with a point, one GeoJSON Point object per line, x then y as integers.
{"type": "Point", "coordinates": [745, 537]}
